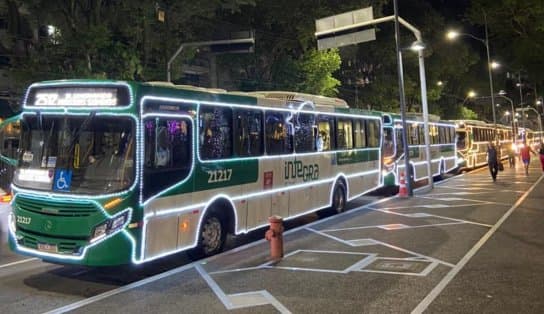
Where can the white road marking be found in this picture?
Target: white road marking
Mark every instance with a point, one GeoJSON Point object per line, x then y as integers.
{"type": "Point", "coordinates": [348, 242]}
{"type": "Point", "coordinates": [424, 304]}
{"type": "Point", "coordinates": [19, 262]}
{"type": "Point", "coordinates": [241, 300]}
{"type": "Point", "coordinates": [107, 294]}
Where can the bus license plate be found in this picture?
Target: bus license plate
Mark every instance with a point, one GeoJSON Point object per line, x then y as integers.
{"type": "Point", "coordinates": [51, 248]}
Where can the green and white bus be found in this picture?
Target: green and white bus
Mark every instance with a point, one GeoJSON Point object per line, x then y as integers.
{"type": "Point", "coordinates": [442, 147]}
{"type": "Point", "coordinates": [473, 137]}
{"type": "Point", "coordinates": [112, 172]}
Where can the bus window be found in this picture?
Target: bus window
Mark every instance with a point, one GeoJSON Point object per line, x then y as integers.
{"type": "Point", "coordinates": [373, 133]}
{"type": "Point", "coordinates": [304, 132]}
{"type": "Point", "coordinates": [461, 139]}
{"type": "Point", "coordinates": [433, 132]}
{"type": "Point", "coordinates": [344, 134]}
{"type": "Point", "coordinates": [215, 132]}
{"type": "Point", "coordinates": [248, 132]}
{"type": "Point", "coordinates": [167, 150]}
{"type": "Point", "coordinates": [400, 143]}
{"type": "Point", "coordinates": [98, 151]}
{"type": "Point", "coordinates": [324, 126]}
{"type": "Point", "coordinates": [359, 133]}
{"type": "Point", "coordinates": [388, 142]}
{"type": "Point", "coordinates": [279, 130]}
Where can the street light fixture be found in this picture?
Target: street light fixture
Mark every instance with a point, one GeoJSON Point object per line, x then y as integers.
{"type": "Point", "coordinates": [502, 94]}
{"type": "Point", "coordinates": [417, 46]}
{"type": "Point", "coordinates": [451, 35]}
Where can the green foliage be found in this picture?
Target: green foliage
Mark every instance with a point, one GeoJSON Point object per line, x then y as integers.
{"type": "Point", "coordinates": [125, 40]}
{"type": "Point", "coordinates": [468, 114]}
{"type": "Point", "coordinates": [516, 32]}
{"type": "Point", "coordinates": [317, 68]}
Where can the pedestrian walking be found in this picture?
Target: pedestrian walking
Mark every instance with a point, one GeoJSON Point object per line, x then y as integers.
{"type": "Point", "coordinates": [541, 154]}
{"type": "Point", "coordinates": [525, 155]}
{"type": "Point", "coordinates": [512, 155]}
{"type": "Point", "coordinates": [492, 160]}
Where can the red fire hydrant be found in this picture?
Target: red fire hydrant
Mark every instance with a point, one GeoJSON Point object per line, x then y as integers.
{"type": "Point", "coordinates": [275, 236]}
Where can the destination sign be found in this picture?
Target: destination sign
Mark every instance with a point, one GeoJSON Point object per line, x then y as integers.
{"type": "Point", "coordinates": [78, 97]}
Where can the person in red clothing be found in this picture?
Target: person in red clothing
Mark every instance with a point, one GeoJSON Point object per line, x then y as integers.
{"type": "Point", "coordinates": [525, 155]}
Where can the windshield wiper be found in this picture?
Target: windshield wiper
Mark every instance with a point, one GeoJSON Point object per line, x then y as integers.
{"type": "Point", "coordinates": [77, 133]}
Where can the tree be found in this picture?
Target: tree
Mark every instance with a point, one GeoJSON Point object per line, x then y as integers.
{"type": "Point", "coordinates": [107, 39]}
{"type": "Point", "coordinates": [516, 32]}
{"type": "Point", "coordinates": [285, 52]}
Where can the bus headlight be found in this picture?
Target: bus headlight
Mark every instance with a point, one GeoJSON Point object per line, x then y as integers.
{"type": "Point", "coordinates": [109, 226]}
{"type": "Point", "coordinates": [99, 232]}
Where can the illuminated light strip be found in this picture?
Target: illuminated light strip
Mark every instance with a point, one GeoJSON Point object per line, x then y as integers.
{"type": "Point", "coordinates": [87, 196]}
{"type": "Point", "coordinates": [261, 193]}
{"type": "Point", "coordinates": [87, 247]}
{"type": "Point", "coordinates": [295, 155]}
{"type": "Point", "coordinates": [254, 107]}
{"type": "Point", "coordinates": [197, 153]}
{"type": "Point", "coordinates": [69, 83]}
{"type": "Point", "coordinates": [201, 218]}
{"type": "Point", "coordinates": [244, 231]}
{"type": "Point", "coordinates": [197, 103]}
{"type": "Point", "coordinates": [447, 125]}
{"type": "Point", "coordinates": [226, 197]}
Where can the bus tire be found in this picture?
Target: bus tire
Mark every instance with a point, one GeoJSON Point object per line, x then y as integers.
{"type": "Point", "coordinates": [212, 235]}
{"type": "Point", "coordinates": [339, 198]}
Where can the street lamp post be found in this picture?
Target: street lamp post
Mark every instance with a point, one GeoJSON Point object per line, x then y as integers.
{"type": "Point", "coordinates": [453, 35]}
{"type": "Point", "coordinates": [501, 94]}
{"type": "Point", "coordinates": [397, 19]}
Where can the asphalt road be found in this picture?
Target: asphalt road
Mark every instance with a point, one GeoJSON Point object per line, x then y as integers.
{"type": "Point", "coordinates": [468, 246]}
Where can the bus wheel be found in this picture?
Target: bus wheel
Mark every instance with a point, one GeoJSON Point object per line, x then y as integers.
{"type": "Point", "coordinates": [212, 235]}
{"type": "Point", "coordinates": [339, 198]}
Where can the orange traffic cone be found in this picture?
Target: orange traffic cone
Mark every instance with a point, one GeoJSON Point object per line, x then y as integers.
{"type": "Point", "coordinates": [403, 192]}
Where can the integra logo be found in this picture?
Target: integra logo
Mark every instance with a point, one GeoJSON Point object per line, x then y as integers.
{"type": "Point", "coordinates": [296, 169]}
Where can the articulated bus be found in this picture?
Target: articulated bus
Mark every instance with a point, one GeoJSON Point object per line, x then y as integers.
{"type": "Point", "coordinates": [472, 139]}
{"type": "Point", "coordinates": [442, 147]}
{"type": "Point", "coordinates": [112, 172]}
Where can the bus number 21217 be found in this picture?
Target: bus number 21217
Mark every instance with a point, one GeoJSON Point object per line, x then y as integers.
{"type": "Point", "coordinates": [219, 175]}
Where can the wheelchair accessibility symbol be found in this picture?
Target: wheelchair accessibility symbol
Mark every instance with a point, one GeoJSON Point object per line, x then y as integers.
{"type": "Point", "coordinates": [62, 180]}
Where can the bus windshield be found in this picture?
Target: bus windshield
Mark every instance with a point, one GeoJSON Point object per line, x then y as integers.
{"type": "Point", "coordinates": [461, 140]}
{"type": "Point", "coordinates": [76, 154]}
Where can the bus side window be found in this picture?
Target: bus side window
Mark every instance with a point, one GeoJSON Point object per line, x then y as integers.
{"type": "Point", "coordinates": [168, 153]}
{"type": "Point", "coordinates": [248, 132]}
{"type": "Point", "coordinates": [359, 134]}
{"type": "Point", "coordinates": [279, 132]}
{"type": "Point", "coordinates": [373, 133]}
{"type": "Point", "coordinates": [325, 124]}
{"type": "Point", "coordinates": [215, 132]}
{"type": "Point", "coordinates": [344, 133]}
{"type": "Point", "coordinates": [304, 132]}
